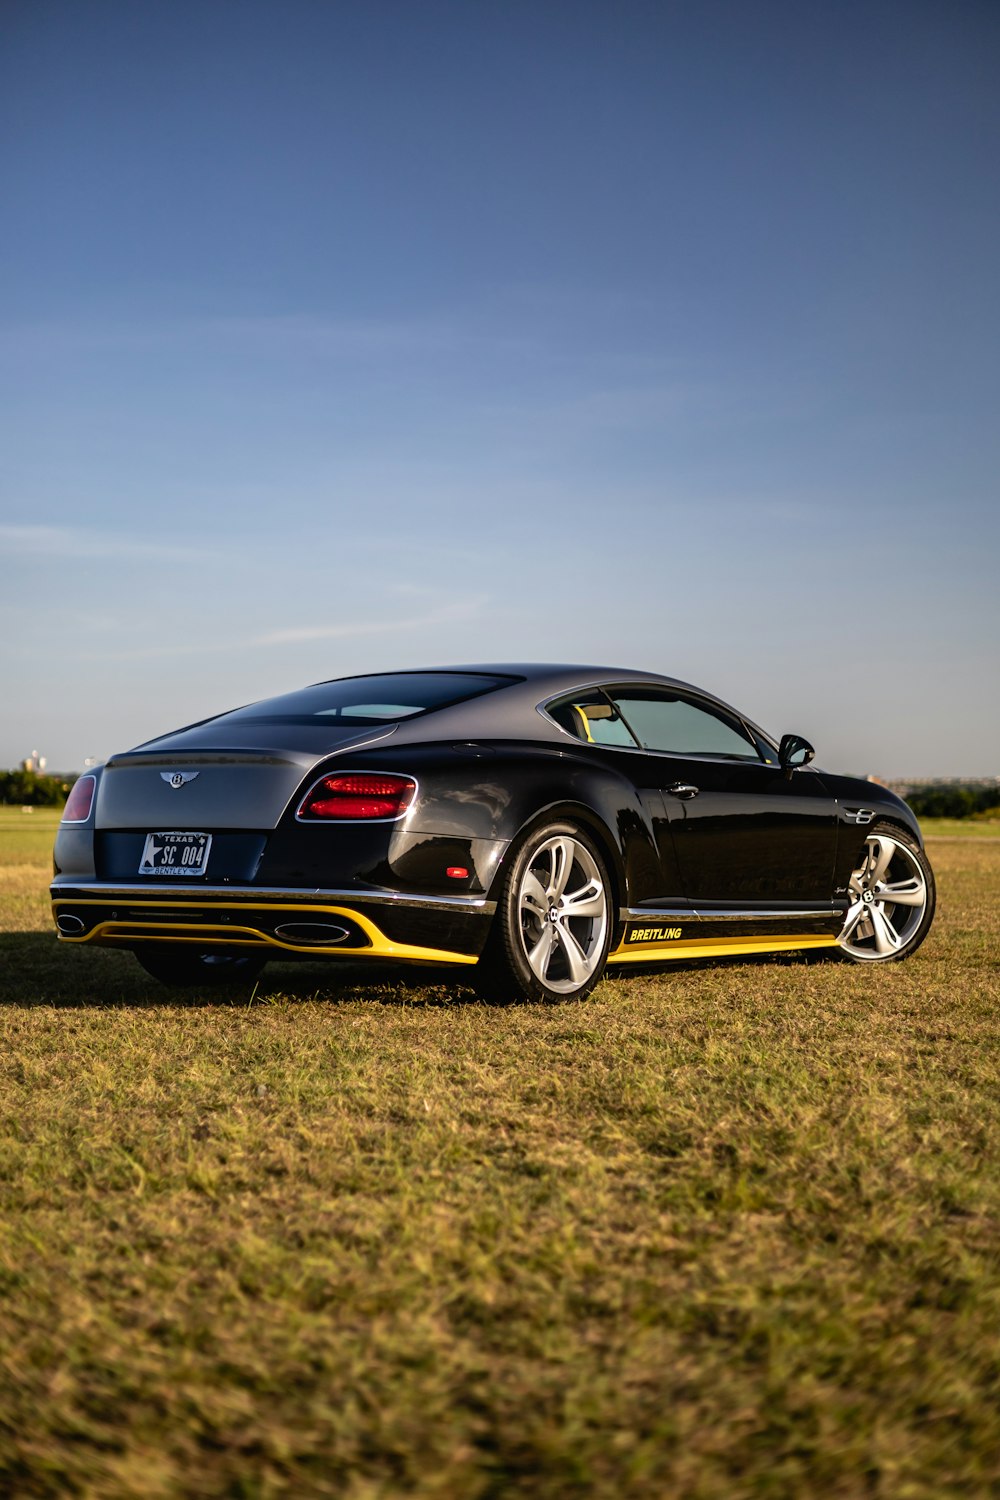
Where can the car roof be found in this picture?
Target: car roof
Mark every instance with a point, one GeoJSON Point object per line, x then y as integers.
{"type": "Point", "coordinates": [549, 674]}
{"type": "Point", "coordinates": [510, 711]}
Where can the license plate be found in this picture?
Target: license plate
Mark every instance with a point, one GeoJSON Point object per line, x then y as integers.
{"type": "Point", "coordinates": [175, 854]}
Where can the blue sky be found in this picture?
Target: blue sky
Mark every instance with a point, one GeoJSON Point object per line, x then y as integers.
{"type": "Point", "coordinates": [338, 337]}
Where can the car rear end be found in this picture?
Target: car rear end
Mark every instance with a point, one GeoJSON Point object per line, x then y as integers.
{"type": "Point", "coordinates": [275, 852]}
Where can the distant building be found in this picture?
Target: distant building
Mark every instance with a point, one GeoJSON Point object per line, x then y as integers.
{"type": "Point", "coordinates": [34, 762]}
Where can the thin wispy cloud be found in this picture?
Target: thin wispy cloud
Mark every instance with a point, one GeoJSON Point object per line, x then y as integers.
{"type": "Point", "coordinates": [76, 542]}
{"type": "Point", "coordinates": [459, 611]}
{"type": "Point", "coordinates": [462, 609]}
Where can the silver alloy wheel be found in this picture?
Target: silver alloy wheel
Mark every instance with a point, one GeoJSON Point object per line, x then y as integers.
{"type": "Point", "coordinates": [888, 899]}
{"type": "Point", "coordinates": [562, 908]}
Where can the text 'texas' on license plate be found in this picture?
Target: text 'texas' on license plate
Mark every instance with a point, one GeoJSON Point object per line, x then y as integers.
{"type": "Point", "coordinates": [175, 854]}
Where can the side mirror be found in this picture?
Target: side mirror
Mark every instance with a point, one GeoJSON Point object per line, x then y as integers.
{"type": "Point", "coordinates": [794, 751]}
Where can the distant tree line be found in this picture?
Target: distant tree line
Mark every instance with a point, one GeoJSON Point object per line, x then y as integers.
{"type": "Point", "coordinates": [934, 800]}
{"type": "Point", "coordinates": [29, 789]}
{"type": "Point", "coordinates": [952, 800]}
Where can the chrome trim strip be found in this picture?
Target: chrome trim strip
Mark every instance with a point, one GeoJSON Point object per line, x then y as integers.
{"type": "Point", "coordinates": [236, 894]}
{"type": "Point", "coordinates": [682, 914]}
{"type": "Point", "coordinates": [653, 912]}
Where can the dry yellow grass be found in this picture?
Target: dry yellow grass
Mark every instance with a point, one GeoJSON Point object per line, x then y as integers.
{"type": "Point", "coordinates": [718, 1232]}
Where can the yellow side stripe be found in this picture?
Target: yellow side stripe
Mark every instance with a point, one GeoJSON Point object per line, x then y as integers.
{"type": "Point", "coordinates": [126, 931]}
{"type": "Point", "coordinates": [640, 953]}
{"type": "Point", "coordinates": [133, 931]}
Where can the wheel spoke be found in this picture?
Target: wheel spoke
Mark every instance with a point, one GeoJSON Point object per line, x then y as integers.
{"type": "Point", "coordinates": [851, 920]}
{"type": "Point", "coordinates": [903, 893]}
{"type": "Point", "coordinates": [881, 856]}
{"type": "Point", "coordinates": [588, 901]}
{"type": "Point", "coordinates": [540, 956]}
{"type": "Point", "coordinates": [576, 959]}
{"type": "Point", "coordinates": [563, 852]}
{"type": "Point", "coordinates": [533, 896]}
{"type": "Point", "coordinates": [886, 937]}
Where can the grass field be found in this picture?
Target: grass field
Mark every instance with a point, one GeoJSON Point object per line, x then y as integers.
{"type": "Point", "coordinates": [717, 1232]}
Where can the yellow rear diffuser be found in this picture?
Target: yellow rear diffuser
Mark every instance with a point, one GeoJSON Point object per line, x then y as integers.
{"type": "Point", "coordinates": [231, 934]}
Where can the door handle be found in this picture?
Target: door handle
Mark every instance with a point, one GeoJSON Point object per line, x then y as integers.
{"type": "Point", "coordinates": [683, 790]}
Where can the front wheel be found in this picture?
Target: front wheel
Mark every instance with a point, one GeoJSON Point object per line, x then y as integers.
{"type": "Point", "coordinates": [183, 968]}
{"type": "Point", "coordinates": [553, 924]}
{"type": "Point", "coordinates": [892, 898]}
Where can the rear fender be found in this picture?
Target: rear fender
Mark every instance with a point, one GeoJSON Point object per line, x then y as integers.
{"type": "Point", "coordinates": [584, 818]}
{"type": "Point", "coordinates": [473, 802]}
{"type": "Point", "coordinates": [501, 796]}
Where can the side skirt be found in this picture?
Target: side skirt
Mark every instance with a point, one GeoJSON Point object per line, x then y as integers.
{"type": "Point", "coordinates": [655, 937]}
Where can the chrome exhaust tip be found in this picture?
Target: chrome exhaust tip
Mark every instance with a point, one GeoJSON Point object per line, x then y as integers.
{"type": "Point", "coordinates": [321, 933]}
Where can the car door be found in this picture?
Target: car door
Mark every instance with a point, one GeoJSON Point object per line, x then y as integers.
{"type": "Point", "coordinates": [745, 834]}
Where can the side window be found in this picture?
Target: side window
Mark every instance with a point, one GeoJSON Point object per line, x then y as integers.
{"type": "Point", "coordinates": [663, 721]}
{"type": "Point", "coordinates": [592, 718]}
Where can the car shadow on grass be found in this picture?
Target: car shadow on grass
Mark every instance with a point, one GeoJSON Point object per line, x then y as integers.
{"type": "Point", "coordinates": [36, 969]}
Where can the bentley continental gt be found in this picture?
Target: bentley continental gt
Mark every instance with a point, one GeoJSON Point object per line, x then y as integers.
{"type": "Point", "coordinates": [529, 826]}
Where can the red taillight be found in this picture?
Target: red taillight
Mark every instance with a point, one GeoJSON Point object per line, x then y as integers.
{"type": "Point", "coordinates": [358, 795]}
{"type": "Point", "coordinates": [80, 800]}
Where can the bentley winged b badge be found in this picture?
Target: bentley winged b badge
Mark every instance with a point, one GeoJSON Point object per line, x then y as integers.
{"type": "Point", "coordinates": [177, 778]}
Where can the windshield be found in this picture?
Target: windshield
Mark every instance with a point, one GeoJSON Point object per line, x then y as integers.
{"type": "Point", "coordinates": [358, 701]}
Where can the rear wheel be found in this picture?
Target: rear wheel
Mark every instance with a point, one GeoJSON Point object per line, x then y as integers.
{"type": "Point", "coordinates": [553, 924]}
{"type": "Point", "coordinates": [892, 898]}
{"type": "Point", "coordinates": [209, 967]}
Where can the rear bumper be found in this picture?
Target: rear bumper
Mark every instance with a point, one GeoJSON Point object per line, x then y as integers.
{"type": "Point", "coordinates": [294, 923]}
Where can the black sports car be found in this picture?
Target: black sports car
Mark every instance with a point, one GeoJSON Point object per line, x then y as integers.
{"type": "Point", "coordinates": [528, 824]}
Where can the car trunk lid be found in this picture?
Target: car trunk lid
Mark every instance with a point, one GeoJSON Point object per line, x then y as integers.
{"type": "Point", "coordinates": [177, 786]}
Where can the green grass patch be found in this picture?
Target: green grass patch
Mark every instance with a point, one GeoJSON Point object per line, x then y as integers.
{"type": "Point", "coordinates": [719, 1232]}
{"type": "Point", "coordinates": [978, 827]}
{"type": "Point", "coordinates": [26, 837]}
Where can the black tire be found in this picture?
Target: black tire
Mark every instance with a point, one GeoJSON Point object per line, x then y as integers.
{"type": "Point", "coordinates": [180, 967]}
{"type": "Point", "coordinates": [556, 896]}
{"type": "Point", "coordinates": [877, 929]}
